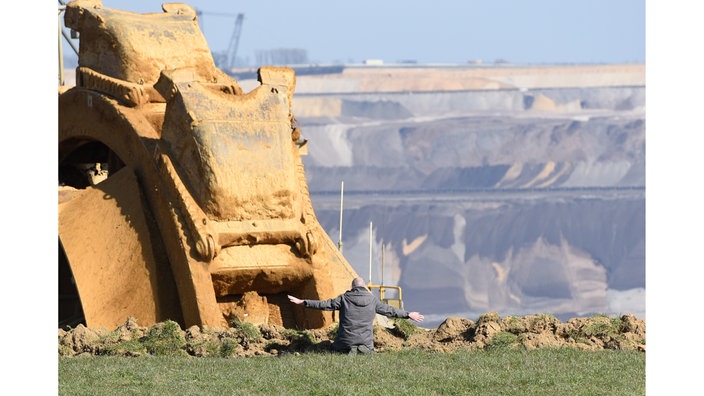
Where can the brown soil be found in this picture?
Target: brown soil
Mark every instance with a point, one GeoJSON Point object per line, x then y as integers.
{"type": "Point", "coordinates": [455, 333]}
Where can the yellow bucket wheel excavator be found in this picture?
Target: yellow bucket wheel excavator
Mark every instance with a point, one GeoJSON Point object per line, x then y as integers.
{"type": "Point", "coordinates": [181, 197]}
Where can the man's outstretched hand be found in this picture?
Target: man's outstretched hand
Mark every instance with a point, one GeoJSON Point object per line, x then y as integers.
{"type": "Point", "coordinates": [415, 316]}
{"type": "Point", "coordinates": [295, 300]}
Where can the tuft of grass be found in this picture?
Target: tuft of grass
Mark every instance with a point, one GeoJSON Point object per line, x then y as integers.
{"type": "Point", "coordinates": [289, 333]}
{"type": "Point", "coordinates": [577, 336]}
{"type": "Point", "coordinates": [513, 324]}
{"type": "Point", "coordinates": [130, 348]}
{"type": "Point", "coordinates": [65, 350]}
{"type": "Point", "coordinates": [214, 348]}
{"type": "Point", "coordinates": [165, 339]}
{"type": "Point", "coordinates": [405, 329]}
{"type": "Point", "coordinates": [113, 344]}
{"type": "Point", "coordinates": [228, 347]}
{"type": "Point", "coordinates": [248, 331]}
{"type": "Point", "coordinates": [299, 339]}
{"type": "Point", "coordinates": [601, 325]}
{"type": "Point", "coordinates": [543, 322]}
{"type": "Point", "coordinates": [544, 319]}
{"type": "Point", "coordinates": [332, 331]}
{"type": "Point", "coordinates": [503, 340]}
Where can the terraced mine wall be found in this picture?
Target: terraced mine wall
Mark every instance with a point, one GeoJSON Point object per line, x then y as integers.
{"type": "Point", "coordinates": [519, 192]}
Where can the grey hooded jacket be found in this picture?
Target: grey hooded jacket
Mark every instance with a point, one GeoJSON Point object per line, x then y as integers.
{"type": "Point", "coordinates": [358, 308]}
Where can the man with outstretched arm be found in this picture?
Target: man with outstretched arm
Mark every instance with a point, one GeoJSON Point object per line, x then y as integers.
{"type": "Point", "coordinates": [358, 308]}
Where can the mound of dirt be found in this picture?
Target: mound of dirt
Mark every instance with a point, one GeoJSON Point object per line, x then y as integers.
{"type": "Point", "coordinates": [245, 339]}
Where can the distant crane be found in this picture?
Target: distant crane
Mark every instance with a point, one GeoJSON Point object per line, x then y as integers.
{"type": "Point", "coordinates": [231, 55]}
{"type": "Point", "coordinates": [227, 59]}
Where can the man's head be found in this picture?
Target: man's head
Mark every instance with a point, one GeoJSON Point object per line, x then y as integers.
{"type": "Point", "coordinates": [356, 282]}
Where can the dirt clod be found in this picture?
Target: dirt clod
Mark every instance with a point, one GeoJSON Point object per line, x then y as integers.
{"type": "Point", "coordinates": [246, 339]}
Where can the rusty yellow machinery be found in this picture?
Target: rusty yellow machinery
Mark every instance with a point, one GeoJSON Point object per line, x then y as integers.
{"type": "Point", "coordinates": [181, 197]}
{"type": "Point", "coordinates": [395, 300]}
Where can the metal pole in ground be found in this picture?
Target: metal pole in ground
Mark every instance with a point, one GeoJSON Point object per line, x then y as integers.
{"type": "Point", "coordinates": [342, 193]}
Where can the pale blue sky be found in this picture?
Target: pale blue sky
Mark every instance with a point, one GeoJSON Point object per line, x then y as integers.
{"type": "Point", "coordinates": [440, 31]}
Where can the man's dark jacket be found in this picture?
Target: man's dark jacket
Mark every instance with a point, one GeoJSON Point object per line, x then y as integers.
{"type": "Point", "coordinates": [358, 308]}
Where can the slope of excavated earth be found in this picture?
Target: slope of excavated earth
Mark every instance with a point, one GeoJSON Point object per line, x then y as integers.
{"type": "Point", "coordinates": [502, 189]}
{"type": "Point", "coordinates": [245, 339]}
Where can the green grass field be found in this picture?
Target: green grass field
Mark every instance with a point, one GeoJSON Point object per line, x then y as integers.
{"type": "Point", "coordinates": [412, 372]}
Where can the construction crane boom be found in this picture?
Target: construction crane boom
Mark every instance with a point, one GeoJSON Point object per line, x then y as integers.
{"type": "Point", "coordinates": [234, 42]}
{"type": "Point", "coordinates": [226, 60]}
